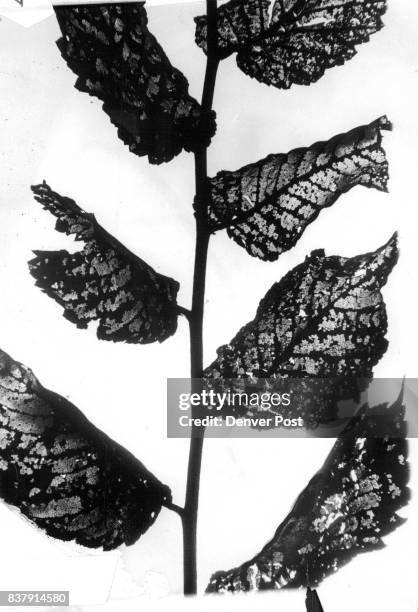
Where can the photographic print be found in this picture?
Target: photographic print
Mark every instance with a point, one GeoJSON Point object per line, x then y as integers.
{"type": "Point", "coordinates": [208, 382]}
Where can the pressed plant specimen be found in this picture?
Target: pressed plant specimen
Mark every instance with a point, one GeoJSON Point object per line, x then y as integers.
{"type": "Point", "coordinates": [325, 319]}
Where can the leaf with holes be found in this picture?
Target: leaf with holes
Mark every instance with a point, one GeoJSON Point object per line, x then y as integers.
{"type": "Point", "coordinates": [346, 509]}
{"type": "Point", "coordinates": [118, 60]}
{"type": "Point", "coordinates": [287, 42]}
{"type": "Point", "coordinates": [326, 319]}
{"type": "Point", "coordinates": [267, 206]}
{"type": "Point", "coordinates": [104, 281]}
{"type": "Point", "coordinates": [63, 473]}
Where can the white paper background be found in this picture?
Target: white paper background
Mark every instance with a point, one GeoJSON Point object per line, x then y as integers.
{"type": "Point", "coordinates": [52, 131]}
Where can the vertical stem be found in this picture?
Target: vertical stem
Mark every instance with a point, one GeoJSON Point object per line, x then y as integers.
{"type": "Point", "coordinates": [189, 515]}
{"type": "Point", "coordinates": [197, 435]}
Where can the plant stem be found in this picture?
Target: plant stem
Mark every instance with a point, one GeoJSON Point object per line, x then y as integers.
{"type": "Point", "coordinates": [189, 516]}
{"type": "Point", "coordinates": [197, 435]}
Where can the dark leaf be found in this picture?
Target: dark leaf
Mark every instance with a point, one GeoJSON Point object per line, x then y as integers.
{"type": "Point", "coordinates": [313, 603]}
{"type": "Point", "coordinates": [104, 281]}
{"type": "Point", "coordinates": [267, 206]}
{"type": "Point", "coordinates": [325, 319]}
{"type": "Point", "coordinates": [117, 59]}
{"type": "Point", "coordinates": [63, 473]}
{"type": "Point", "coordinates": [347, 508]}
{"type": "Point", "coordinates": [286, 42]}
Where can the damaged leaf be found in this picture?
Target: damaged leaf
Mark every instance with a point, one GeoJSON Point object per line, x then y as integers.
{"type": "Point", "coordinates": [347, 508]}
{"type": "Point", "coordinates": [64, 474]}
{"type": "Point", "coordinates": [287, 42]}
{"type": "Point", "coordinates": [104, 281]}
{"type": "Point", "coordinates": [118, 60]}
{"type": "Point", "coordinates": [266, 206]}
{"type": "Point", "coordinates": [325, 319]}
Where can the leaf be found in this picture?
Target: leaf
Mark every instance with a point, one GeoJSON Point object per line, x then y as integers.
{"type": "Point", "coordinates": [118, 60]}
{"type": "Point", "coordinates": [63, 473]}
{"type": "Point", "coordinates": [287, 42]}
{"type": "Point", "coordinates": [266, 206]}
{"type": "Point", "coordinates": [347, 508]}
{"type": "Point", "coordinates": [104, 281]}
{"type": "Point", "coordinates": [313, 603]}
{"type": "Point", "coordinates": [324, 319]}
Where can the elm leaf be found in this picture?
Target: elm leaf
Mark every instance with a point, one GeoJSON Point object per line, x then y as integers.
{"type": "Point", "coordinates": [287, 42]}
{"type": "Point", "coordinates": [325, 319]}
{"type": "Point", "coordinates": [350, 504]}
{"type": "Point", "coordinates": [267, 206]}
{"type": "Point", "coordinates": [104, 281]}
{"type": "Point", "coordinates": [118, 60]}
{"type": "Point", "coordinates": [65, 475]}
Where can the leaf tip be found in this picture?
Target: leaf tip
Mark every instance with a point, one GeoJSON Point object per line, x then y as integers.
{"type": "Point", "coordinates": [40, 190]}
{"type": "Point", "coordinates": [384, 123]}
{"type": "Point", "coordinates": [38, 187]}
{"type": "Point", "coordinates": [383, 260]}
{"type": "Point", "coordinates": [391, 248]}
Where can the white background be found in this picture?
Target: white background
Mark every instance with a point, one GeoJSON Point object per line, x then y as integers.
{"type": "Point", "coordinates": [50, 130]}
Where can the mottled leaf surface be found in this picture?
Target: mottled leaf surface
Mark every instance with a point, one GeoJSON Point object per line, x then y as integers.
{"type": "Point", "coordinates": [325, 319]}
{"type": "Point", "coordinates": [347, 508]}
{"type": "Point", "coordinates": [104, 281]}
{"type": "Point", "coordinates": [64, 474]}
{"type": "Point", "coordinates": [287, 42]}
{"type": "Point", "coordinates": [266, 206]}
{"type": "Point", "coordinates": [118, 60]}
